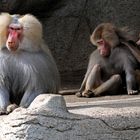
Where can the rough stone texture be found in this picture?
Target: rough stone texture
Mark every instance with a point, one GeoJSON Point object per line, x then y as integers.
{"type": "Point", "coordinates": [70, 26]}
{"type": "Point", "coordinates": [69, 23]}
{"type": "Point", "coordinates": [48, 119]}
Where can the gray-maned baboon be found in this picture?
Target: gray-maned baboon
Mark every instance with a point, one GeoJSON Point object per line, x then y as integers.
{"type": "Point", "coordinates": [27, 67]}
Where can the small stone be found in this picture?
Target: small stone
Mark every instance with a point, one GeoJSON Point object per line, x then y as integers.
{"type": "Point", "coordinates": [51, 101]}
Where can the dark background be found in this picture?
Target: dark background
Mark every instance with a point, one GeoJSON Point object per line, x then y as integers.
{"type": "Point", "coordinates": [68, 24]}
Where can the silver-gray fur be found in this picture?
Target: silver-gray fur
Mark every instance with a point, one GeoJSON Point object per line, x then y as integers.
{"type": "Point", "coordinates": [24, 75]}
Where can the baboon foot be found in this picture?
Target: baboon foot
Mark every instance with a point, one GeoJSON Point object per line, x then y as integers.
{"type": "Point", "coordinates": [132, 92]}
{"type": "Point", "coordinates": [78, 94]}
{"type": "Point", "coordinates": [11, 108]}
{"type": "Point", "coordinates": [88, 94]}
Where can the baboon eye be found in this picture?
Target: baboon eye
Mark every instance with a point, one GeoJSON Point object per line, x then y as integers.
{"type": "Point", "coordinates": [101, 42]}
{"type": "Point", "coordinates": [11, 28]}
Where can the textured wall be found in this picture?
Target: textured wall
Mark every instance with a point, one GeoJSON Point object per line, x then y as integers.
{"type": "Point", "coordinates": [69, 23]}
{"type": "Point", "coordinates": [69, 27]}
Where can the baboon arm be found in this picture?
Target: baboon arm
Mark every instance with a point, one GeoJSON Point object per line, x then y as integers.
{"type": "Point", "coordinates": [135, 51]}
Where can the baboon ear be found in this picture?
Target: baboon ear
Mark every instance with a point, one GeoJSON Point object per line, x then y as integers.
{"type": "Point", "coordinates": [107, 32]}
{"type": "Point", "coordinates": [97, 34]}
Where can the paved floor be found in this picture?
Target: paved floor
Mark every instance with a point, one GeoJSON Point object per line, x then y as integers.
{"type": "Point", "coordinates": [104, 102]}
{"type": "Point", "coordinates": [72, 98]}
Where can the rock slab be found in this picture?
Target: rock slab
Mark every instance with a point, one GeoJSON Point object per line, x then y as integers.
{"type": "Point", "coordinates": [48, 118]}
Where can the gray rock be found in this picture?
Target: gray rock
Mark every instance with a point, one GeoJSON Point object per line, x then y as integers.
{"type": "Point", "coordinates": [48, 119]}
{"type": "Point", "coordinates": [49, 101]}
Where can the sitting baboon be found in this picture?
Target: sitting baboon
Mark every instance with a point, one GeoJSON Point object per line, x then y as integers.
{"type": "Point", "coordinates": [27, 67]}
{"type": "Point", "coordinates": [111, 61]}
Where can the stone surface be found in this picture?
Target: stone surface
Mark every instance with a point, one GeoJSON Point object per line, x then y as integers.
{"type": "Point", "coordinates": [51, 101]}
{"type": "Point", "coordinates": [48, 119]}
